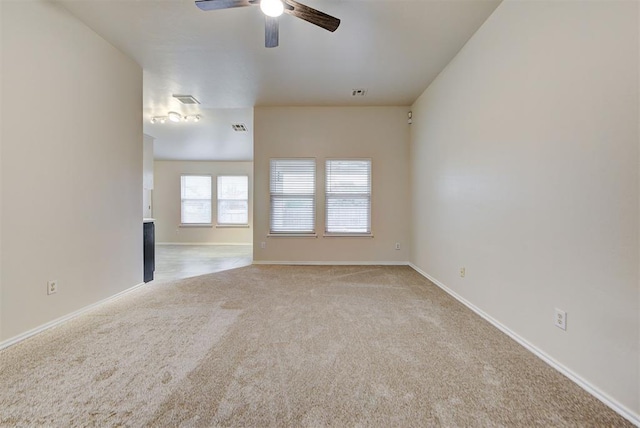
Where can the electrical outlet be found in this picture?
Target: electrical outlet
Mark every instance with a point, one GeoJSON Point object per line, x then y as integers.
{"type": "Point", "coordinates": [397, 245]}
{"type": "Point", "coordinates": [560, 319]}
{"type": "Point", "coordinates": [463, 272]}
{"type": "Point", "coordinates": [263, 245]}
{"type": "Point", "coordinates": [52, 286]}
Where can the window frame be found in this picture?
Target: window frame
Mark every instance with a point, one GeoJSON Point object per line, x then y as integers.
{"type": "Point", "coordinates": [328, 195]}
{"type": "Point", "coordinates": [182, 200]}
{"type": "Point", "coordinates": [230, 225]}
{"type": "Point", "coordinates": [307, 196]}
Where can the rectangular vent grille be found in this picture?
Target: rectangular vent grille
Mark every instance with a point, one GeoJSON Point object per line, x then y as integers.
{"type": "Point", "coordinates": [239, 127]}
{"type": "Point", "coordinates": [186, 99]}
{"type": "Point", "coordinates": [358, 92]}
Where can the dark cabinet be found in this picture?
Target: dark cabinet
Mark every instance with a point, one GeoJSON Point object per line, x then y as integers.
{"type": "Point", "coordinates": [149, 251]}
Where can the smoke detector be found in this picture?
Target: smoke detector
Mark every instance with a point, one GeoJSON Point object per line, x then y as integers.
{"type": "Point", "coordinates": [186, 99]}
{"type": "Point", "coordinates": [239, 127]}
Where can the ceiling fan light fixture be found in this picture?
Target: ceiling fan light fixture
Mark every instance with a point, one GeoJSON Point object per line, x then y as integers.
{"type": "Point", "coordinates": [174, 117]}
{"type": "Point", "coordinates": [273, 8]}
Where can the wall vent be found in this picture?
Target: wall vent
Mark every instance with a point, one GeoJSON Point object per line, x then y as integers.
{"type": "Point", "coordinates": [358, 92]}
{"type": "Point", "coordinates": [239, 127]}
{"type": "Point", "coordinates": [186, 99]}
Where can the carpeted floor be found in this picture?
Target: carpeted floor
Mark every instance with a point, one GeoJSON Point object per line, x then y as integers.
{"type": "Point", "coordinates": [287, 346]}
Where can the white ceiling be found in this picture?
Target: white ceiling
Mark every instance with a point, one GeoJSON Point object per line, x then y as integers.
{"type": "Point", "coordinates": [212, 138]}
{"type": "Point", "coordinates": [392, 48]}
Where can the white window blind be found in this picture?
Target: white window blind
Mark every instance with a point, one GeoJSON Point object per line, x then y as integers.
{"type": "Point", "coordinates": [233, 199]}
{"type": "Point", "coordinates": [348, 194]}
{"type": "Point", "coordinates": [293, 203]}
{"type": "Point", "coordinates": [195, 195]}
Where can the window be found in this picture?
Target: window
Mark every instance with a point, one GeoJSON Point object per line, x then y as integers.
{"type": "Point", "coordinates": [233, 199]}
{"type": "Point", "coordinates": [348, 194]}
{"type": "Point", "coordinates": [195, 196]}
{"type": "Point", "coordinates": [293, 202]}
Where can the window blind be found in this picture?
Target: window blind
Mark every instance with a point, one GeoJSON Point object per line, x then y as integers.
{"type": "Point", "coordinates": [292, 189]}
{"type": "Point", "coordinates": [195, 196]}
{"type": "Point", "coordinates": [348, 196]}
{"type": "Point", "coordinates": [233, 199]}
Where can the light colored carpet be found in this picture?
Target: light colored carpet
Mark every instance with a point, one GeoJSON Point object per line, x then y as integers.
{"type": "Point", "coordinates": [287, 346]}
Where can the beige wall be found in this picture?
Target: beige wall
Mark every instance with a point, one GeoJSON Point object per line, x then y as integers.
{"type": "Point", "coordinates": [2, 103]}
{"type": "Point", "coordinates": [71, 166]}
{"type": "Point", "coordinates": [525, 171]}
{"type": "Point", "coordinates": [147, 175]}
{"type": "Point", "coordinates": [379, 133]}
{"type": "Point", "coordinates": [166, 203]}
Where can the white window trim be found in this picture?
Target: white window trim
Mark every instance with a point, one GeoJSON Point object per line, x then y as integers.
{"type": "Point", "coordinates": [210, 201]}
{"type": "Point", "coordinates": [292, 235]}
{"type": "Point", "coordinates": [312, 234]}
{"type": "Point", "coordinates": [368, 234]}
{"type": "Point", "coordinates": [348, 235]}
{"type": "Point", "coordinates": [232, 225]}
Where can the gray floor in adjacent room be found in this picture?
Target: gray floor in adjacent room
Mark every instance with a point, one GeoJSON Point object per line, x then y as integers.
{"type": "Point", "coordinates": [184, 261]}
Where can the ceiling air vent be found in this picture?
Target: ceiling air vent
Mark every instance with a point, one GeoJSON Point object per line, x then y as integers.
{"type": "Point", "coordinates": [186, 99]}
{"type": "Point", "coordinates": [239, 127]}
{"type": "Point", "coordinates": [358, 92]}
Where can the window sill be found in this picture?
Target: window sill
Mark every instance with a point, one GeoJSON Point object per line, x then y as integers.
{"type": "Point", "coordinates": [195, 225]}
{"type": "Point", "coordinates": [348, 235]}
{"type": "Point", "coordinates": [231, 226]}
{"type": "Point", "coordinates": [292, 235]}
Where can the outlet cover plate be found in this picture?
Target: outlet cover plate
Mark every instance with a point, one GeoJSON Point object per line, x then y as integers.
{"type": "Point", "coordinates": [52, 286]}
{"type": "Point", "coordinates": [560, 319]}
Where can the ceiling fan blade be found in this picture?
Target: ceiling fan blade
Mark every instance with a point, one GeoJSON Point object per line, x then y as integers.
{"type": "Point", "coordinates": [311, 15]}
{"type": "Point", "coordinates": [271, 33]}
{"type": "Point", "coordinates": [224, 4]}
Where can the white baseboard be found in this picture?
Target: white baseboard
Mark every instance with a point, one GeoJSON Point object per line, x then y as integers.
{"type": "Point", "coordinates": [65, 318]}
{"type": "Point", "coordinates": [622, 410]}
{"type": "Point", "coordinates": [322, 263]}
{"type": "Point", "coordinates": [204, 243]}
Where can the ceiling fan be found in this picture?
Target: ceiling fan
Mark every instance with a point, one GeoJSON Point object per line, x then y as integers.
{"type": "Point", "coordinates": [272, 9]}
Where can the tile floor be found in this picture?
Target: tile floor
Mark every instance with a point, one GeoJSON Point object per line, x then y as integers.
{"type": "Point", "coordinates": [183, 261]}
